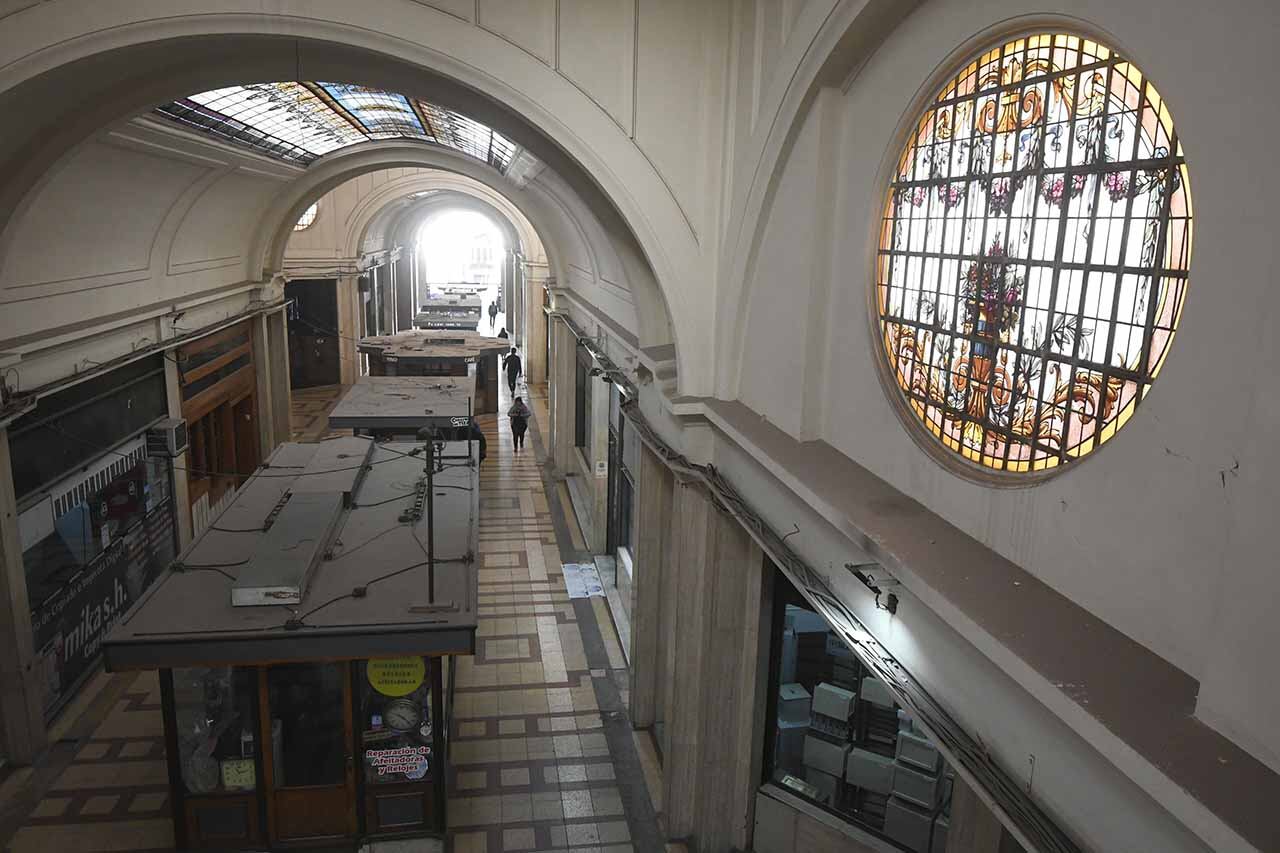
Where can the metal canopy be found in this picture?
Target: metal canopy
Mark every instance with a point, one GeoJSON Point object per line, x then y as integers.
{"type": "Point", "coordinates": [433, 345]}
{"type": "Point", "coordinates": [403, 403]}
{"type": "Point", "coordinates": [366, 597]}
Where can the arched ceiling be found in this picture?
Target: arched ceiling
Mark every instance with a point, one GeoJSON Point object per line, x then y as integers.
{"type": "Point", "coordinates": [299, 122]}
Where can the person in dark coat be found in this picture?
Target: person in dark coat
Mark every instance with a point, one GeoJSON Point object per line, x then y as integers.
{"type": "Point", "coordinates": [477, 435]}
{"type": "Point", "coordinates": [514, 369]}
{"type": "Point", "coordinates": [519, 414]}
{"type": "Point", "coordinates": [502, 333]}
{"type": "Point", "coordinates": [493, 313]}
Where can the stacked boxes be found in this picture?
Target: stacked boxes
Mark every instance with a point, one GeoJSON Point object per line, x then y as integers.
{"type": "Point", "coordinates": [869, 771]}
{"type": "Point", "coordinates": [793, 722]}
{"type": "Point", "coordinates": [918, 751]}
{"type": "Point", "coordinates": [918, 791]}
{"type": "Point", "coordinates": [826, 746]}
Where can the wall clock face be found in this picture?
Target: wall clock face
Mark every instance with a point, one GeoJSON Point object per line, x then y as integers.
{"type": "Point", "coordinates": [402, 715]}
{"type": "Point", "coordinates": [238, 774]}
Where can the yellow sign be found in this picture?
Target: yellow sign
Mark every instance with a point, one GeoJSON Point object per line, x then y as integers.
{"type": "Point", "coordinates": [396, 676]}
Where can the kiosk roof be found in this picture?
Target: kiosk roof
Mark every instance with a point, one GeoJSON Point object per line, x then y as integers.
{"type": "Point", "coordinates": [403, 402]}
{"type": "Point", "coordinates": [430, 345]}
{"type": "Point", "coordinates": [366, 595]}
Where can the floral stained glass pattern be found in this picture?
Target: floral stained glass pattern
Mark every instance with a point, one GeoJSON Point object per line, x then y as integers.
{"type": "Point", "coordinates": [1034, 253]}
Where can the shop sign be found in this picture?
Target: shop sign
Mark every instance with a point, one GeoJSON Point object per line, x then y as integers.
{"type": "Point", "coordinates": [70, 625]}
{"type": "Point", "coordinates": [396, 676]}
{"type": "Point", "coordinates": [411, 761]}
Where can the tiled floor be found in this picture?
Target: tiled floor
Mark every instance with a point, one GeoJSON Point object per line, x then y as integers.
{"type": "Point", "coordinates": [309, 412]}
{"type": "Point", "coordinates": [113, 792]}
{"type": "Point", "coordinates": [534, 769]}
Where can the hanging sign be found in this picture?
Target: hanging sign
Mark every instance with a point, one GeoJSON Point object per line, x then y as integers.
{"type": "Point", "coordinates": [396, 676]}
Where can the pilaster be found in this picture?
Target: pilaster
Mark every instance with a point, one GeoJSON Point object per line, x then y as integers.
{"type": "Point", "coordinates": [536, 348]}
{"type": "Point", "coordinates": [181, 492]}
{"type": "Point", "coordinates": [277, 334]}
{"type": "Point", "coordinates": [715, 703]}
{"type": "Point", "coordinates": [654, 486]}
{"type": "Point", "coordinates": [350, 326]}
{"type": "Point", "coordinates": [21, 715]}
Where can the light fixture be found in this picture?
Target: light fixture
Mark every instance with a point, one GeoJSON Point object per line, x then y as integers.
{"type": "Point", "coordinates": [862, 571]}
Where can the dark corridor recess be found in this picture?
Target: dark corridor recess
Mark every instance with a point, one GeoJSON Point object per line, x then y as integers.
{"type": "Point", "coordinates": [313, 325]}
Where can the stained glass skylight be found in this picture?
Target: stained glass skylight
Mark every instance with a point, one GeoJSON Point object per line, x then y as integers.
{"type": "Point", "coordinates": [1034, 253]}
{"type": "Point", "coordinates": [299, 122]}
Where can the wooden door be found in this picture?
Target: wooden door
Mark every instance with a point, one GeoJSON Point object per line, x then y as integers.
{"type": "Point", "coordinates": [247, 457]}
{"type": "Point", "coordinates": [309, 762]}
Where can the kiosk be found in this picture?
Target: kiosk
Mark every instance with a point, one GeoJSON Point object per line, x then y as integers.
{"type": "Point", "coordinates": [422, 352]}
{"type": "Point", "coordinates": [449, 312]}
{"type": "Point", "coordinates": [401, 405]}
{"type": "Point", "coordinates": [305, 644]}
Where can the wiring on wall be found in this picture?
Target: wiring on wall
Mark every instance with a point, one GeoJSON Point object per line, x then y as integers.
{"type": "Point", "coordinates": [10, 406]}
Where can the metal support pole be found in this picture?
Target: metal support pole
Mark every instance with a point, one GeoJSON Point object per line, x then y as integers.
{"type": "Point", "coordinates": [431, 524]}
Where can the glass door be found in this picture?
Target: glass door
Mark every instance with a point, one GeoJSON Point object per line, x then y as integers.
{"type": "Point", "coordinates": [309, 766]}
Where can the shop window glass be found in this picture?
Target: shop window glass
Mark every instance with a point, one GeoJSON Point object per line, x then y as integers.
{"type": "Point", "coordinates": [395, 720]}
{"type": "Point", "coordinates": [72, 428]}
{"type": "Point", "coordinates": [214, 709]}
{"type": "Point", "coordinates": [194, 356]}
{"type": "Point", "coordinates": [582, 406]}
{"type": "Point", "coordinates": [307, 724]}
{"type": "Point", "coordinates": [626, 492]}
{"type": "Point", "coordinates": [91, 548]}
{"type": "Point", "coordinates": [838, 739]}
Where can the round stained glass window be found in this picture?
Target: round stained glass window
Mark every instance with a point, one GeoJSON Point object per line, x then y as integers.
{"type": "Point", "coordinates": [307, 218]}
{"type": "Point", "coordinates": [1034, 253]}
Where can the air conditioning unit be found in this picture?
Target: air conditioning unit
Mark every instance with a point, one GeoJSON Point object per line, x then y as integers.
{"type": "Point", "coordinates": [167, 438]}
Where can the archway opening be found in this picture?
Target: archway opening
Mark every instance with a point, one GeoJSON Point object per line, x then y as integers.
{"type": "Point", "coordinates": [462, 252]}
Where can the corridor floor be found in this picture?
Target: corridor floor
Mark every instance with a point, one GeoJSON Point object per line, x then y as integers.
{"type": "Point", "coordinates": [543, 755]}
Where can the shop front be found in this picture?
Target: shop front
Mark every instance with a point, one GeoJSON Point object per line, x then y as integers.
{"type": "Point", "coordinates": [617, 572]}
{"type": "Point", "coordinates": [840, 750]}
{"type": "Point", "coordinates": [306, 646]}
{"type": "Point", "coordinates": [96, 516]}
{"type": "Point", "coordinates": [352, 749]}
{"type": "Point", "coordinates": [218, 388]}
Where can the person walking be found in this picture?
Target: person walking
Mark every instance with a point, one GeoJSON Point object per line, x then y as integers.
{"type": "Point", "coordinates": [519, 413]}
{"type": "Point", "coordinates": [474, 433]}
{"type": "Point", "coordinates": [493, 313]}
{"type": "Point", "coordinates": [514, 369]}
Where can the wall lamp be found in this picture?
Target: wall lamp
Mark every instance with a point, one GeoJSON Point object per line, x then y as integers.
{"type": "Point", "coordinates": [863, 572]}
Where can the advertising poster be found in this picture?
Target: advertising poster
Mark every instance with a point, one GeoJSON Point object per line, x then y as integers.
{"type": "Point", "coordinates": [69, 626]}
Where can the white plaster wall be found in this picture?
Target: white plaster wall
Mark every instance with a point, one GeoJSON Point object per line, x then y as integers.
{"type": "Point", "coordinates": [139, 222]}
{"type": "Point", "coordinates": [1158, 532]}
{"type": "Point", "coordinates": [774, 362]}
{"type": "Point", "coordinates": [328, 241]}
{"type": "Point", "coordinates": [602, 67]}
